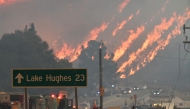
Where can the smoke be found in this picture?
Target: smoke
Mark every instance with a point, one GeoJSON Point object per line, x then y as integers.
{"type": "Point", "coordinates": [67, 24]}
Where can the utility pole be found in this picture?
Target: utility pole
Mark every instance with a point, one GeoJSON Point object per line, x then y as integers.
{"type": "Point", "coordinates": [179, 64]}
{"type": "Point", "coordinates": [126, 72]}
{"type": "Point", "coordinates": [126, 79]}
{"type": "Point", "coordinates": [184, 28]}
{"type": "Point", "coordinates": [100, 74]}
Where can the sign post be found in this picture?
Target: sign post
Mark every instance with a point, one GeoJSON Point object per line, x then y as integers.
{"type": "Point", "coordinates": [40, 78]}
{"type": "Point", "coordinates": [76, 98]}
{"type": "Point", "coordinates": [135, 98]}
{"type": "Point", "coordinates": [101, 90]}
{"type": "Point", "coordinates": [26, 98]}
{"type": "Point", "coordinates": [131, 97]}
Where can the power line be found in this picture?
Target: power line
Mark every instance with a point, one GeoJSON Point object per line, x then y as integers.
{"type": "Point", "coordinates": [170, 57]}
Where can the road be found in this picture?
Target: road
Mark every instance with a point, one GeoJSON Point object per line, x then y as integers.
{"type": "Point", "coordinates": [98, 97]}
{"type": "Point", "coordinates": [120, 101]}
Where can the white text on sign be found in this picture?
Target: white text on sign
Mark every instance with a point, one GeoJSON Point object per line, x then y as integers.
{"type": "Point", "coordinates": [35, 78]}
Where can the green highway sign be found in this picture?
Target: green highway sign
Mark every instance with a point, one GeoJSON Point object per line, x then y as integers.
{"type": "Point", "coordinates": [40, 78]}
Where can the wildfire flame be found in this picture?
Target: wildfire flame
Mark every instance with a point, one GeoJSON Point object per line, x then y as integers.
{"type": "Point", "coordinates": [126, 44]}
{"type": "Point", "coordinates": [107, 56]}
{"type": "Point", "coordinates": [92, 57]}
{"type": "Point", "coordinates": [74, 53]}
{"type": "Point", "coordinates": [151, 38]}
{"type": "Point", "coordinates": [154, 36]}
{"type": "Point", "coordinates": [122, 5]}
{"type": "Point", "coordinates": [163, 42]}
{"type": "Point", "coordinates": [3, 2]}
{"type": "Point", "coordinates": [119, 54]}
{"type": "Point", "coordinates": [123, 76]}
{"type": "Point", "coordinates": [120, 26]}
{"type": "Point", "coordinates": [65, 51]}
{"type": "Point", "coordinates": [162, 10]}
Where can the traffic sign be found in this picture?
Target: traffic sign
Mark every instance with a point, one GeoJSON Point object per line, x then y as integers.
{"type": "Point", "coordinates": [135, 96]}
{"type": "Point", "coordinates": [26, 78]}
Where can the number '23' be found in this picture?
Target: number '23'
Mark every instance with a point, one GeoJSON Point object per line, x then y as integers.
{"type": "Point", "coordinates": [80, 77]}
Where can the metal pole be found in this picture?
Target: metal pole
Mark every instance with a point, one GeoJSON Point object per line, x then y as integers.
{"type": "Point", "coordinates": [100, 68]}
{"type": "Point", "coordinates": [111, 90]}
{"type": "Point", "coordinates": [26, 98]}
{"type": "Point", "coordinates": [126, 74]}
{"type": "Point", "coordinates": [76, 98]}
{"type": "Point", "coordinates": [125, 71]}
{"type": "Point", "coordinates": [179, 64]}
{"type": "Point", "coordinates": [179, 58]}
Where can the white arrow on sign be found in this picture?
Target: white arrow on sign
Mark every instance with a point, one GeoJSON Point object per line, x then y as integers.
{"type": "Point", "coordinates": [19, 77]}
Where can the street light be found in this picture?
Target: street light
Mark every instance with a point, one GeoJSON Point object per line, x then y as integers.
{"type": "Point", "coordinates": [112, 86]}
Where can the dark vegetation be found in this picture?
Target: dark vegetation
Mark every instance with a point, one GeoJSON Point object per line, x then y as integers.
{"type": "Point", "coordinates": [25, 49]}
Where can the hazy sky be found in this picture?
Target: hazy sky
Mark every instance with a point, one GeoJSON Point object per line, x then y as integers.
{"type": "Point", "coordinates": [70, 21]}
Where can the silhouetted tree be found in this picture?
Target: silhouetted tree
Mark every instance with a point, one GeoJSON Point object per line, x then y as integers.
{"type": "Point", "coordinates": [32, 30]}
{"type": "Point", "coordinates": [25, 49]}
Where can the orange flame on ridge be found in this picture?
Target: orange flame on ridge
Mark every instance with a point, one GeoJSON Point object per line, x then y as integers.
{"type": "Point", "coordinates": [107, 56]}
{"type": "Point", "coordinates": [2, 2]}
{"type": "Point", "coordinates": [120, 26]}
{"type": "Point", "coordinates": [65, 51]}
{"type": "Point", "coordinates": [74, 53]}
{"type": "Point", "coordinates": [122, 5]}
{"type": "Point", "coordinates": [150, 19]}
{"type": "Point", "coordinates": [162, 9]}
{"type": "Point", "coordinates": [92, 57]}
{"type": "Point", "coordinates": [152, 37]}
{"type": "Point", "coordinates": [126, 44]}
{"type": "Point", "coordinates": [122, 76]}
{"type": "Point", "coordinates": [163, 43]}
